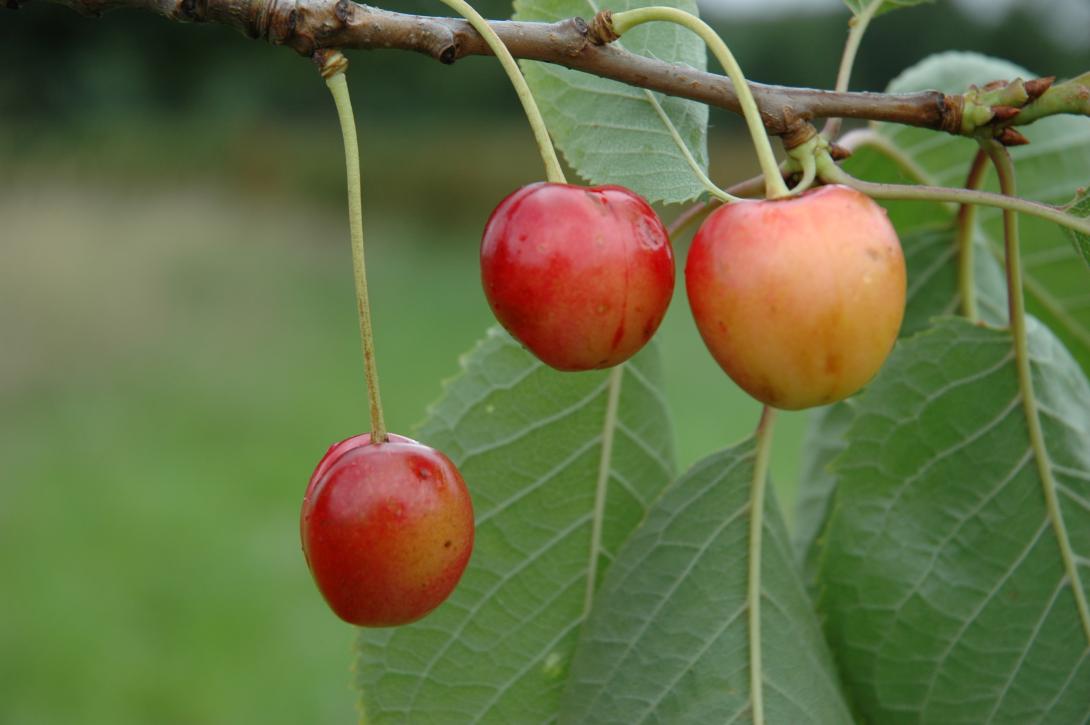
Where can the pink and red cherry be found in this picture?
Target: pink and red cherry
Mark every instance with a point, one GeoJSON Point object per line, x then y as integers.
{"type": "Point", "coordinates": [387, 529]}
{"type": "Point", "coordinates": [581, 276]}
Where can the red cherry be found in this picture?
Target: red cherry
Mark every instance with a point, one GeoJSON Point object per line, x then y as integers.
{"type": "Point", "coordinates": [580, 276]}
{"type": "Point", "coordinates": [387, 529]}
{"type": "Point", "coordinates": [799, 300]}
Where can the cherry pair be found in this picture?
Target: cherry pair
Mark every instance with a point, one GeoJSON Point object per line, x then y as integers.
{"type": "Point", "coordinates": [798, 299]}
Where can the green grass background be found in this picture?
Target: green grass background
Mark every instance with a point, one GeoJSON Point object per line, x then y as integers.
{"type": "Point", "coordinates": [178, 346]}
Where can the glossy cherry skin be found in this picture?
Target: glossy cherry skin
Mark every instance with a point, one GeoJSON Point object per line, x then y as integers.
{"type": "Point", "coordinates": [799, 300]}
{"type": "Point", "coordinates": [581, 276]}
{"type": "Point", "coordinates": [387, 530]}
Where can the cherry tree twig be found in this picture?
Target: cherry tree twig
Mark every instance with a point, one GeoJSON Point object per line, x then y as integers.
{"type": "Point", "coordinates": [310, 25]}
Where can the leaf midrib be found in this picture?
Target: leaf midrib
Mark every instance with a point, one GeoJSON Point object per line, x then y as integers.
{"type": "Point", "coordinates": [601, 486]}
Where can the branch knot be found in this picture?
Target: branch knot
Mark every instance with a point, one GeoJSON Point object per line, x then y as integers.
{"type": "Point", "coordinates": [950, 114]}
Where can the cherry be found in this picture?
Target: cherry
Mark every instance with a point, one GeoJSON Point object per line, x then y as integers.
{"type": "Point", "coordinates": [580, 276]}
{"type": "Point", "coordinates": [387, 529]}
{"type": "Point", "coordinates": [799, 300]}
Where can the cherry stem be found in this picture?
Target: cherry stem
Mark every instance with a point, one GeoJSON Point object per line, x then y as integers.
{"type": "Point", "coordinates": [625, 21]}
{"type": "Point", "coordinates": [857, 26]}
{"type": "Point", "coordinates": [804, 158]}
{"type": "Point", "coordinates": [829, 172]}
{"type": "Point", "coordinates": [809, 174]}
{"type": "Point", "coordinates": [553, 172]}
{"type": "Point", "coordinates": [753, 587]}
{"type": "Point", "coordinates": [339, 88]}
{"type": "Point", "coordinates": [1016, 305]}
{"type": "Point", "coordinates": [966, 220]}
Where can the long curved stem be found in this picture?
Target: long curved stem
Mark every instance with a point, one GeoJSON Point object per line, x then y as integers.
{"type": "Point", "coordinates": [553, 172]}
{"type": "Point", "coordinates": [753, 593]}
{"type": "Point", "coordinates": [828, 171]}
{"type": "Point", "coordinates": [857, 27]}
{"type": "Point", "coordinates": [963, 237]}
{"type": "Point", "coordinates": [625, 21]}
{"type": "Point", "coordinates": [1017, 309]}
{"type": "Point", "coordinates": [339, 88]}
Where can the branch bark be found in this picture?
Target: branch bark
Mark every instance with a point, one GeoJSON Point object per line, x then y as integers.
{"type": "Point", "coordinates": [307, 26]}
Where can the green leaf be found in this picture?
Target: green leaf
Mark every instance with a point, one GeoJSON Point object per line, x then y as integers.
{"type": "Point", "coordinates": [824, 441]}
{"type": "Point", "coordinates": [1080, 207]}
{"type": "Point", "coordinates": [858, 6]}
{"type": "Point", "coordinates": [931, 261]}
{"type": "Point", "coordinates": [946, 596]}
{"type": "Point", "coordinates": [1049, 170]}
{"type": "Point", "coordinates": [529, 442]}
{"type": "Point", "coordinates": [667, 640]}
{"type": "Point", "coordinates": [613, 133]}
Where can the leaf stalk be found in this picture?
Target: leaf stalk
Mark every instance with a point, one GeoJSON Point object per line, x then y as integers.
{"type": "Point", "coordinates": [857, 26]}
{"type": "Point", "coordinates": [830, 172]}
{"type": "Point", "coordinates": [966, 222]}
{"type": "Point", "coordinates": [753, 587]}
{"type": "Point", "coordinates": [1004, 167]}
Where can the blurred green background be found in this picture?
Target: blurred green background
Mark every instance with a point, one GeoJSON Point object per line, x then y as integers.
{"type": "Point", "coordinates": [178, 343]}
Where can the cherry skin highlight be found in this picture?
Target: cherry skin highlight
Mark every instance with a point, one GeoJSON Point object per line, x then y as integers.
{"type": "Point", "coordinates": [799, 300]}
{"type": "Point", "coordinates": [387, 529]}
{"type": "Point", "coordinates": [581, 276]}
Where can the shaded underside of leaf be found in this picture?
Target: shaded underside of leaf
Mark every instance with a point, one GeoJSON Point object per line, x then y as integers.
{"type": "Point", "coordinates": [667, 640]}
{"type": "Point", "coordinates": [610, 132]}
{"type": "Point", "coordinates": [528, 441]}
{"type": "Point", "coordinates": [857, 6]}
{"type": "Point", "coordinates": [944, 592]}
{"type": "Point", "coordinates": [825, 440]}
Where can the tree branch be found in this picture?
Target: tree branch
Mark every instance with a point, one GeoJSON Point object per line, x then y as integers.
{"type": "Point", "coordinates": [310, 25]}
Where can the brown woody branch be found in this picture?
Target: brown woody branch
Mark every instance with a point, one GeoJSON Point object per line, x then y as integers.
{"type": "Point", "coordinates": [310, 25]}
